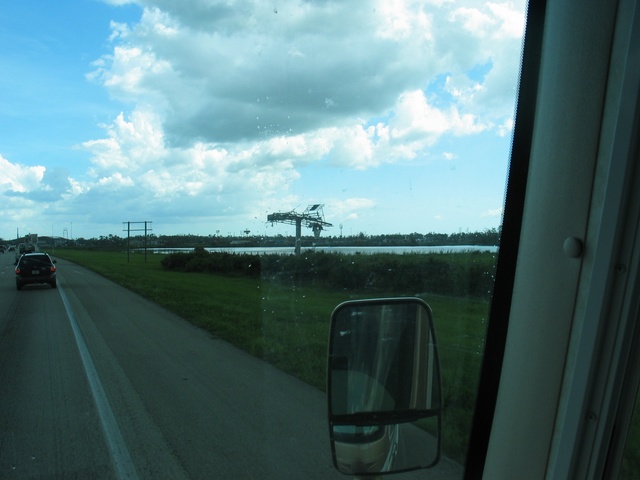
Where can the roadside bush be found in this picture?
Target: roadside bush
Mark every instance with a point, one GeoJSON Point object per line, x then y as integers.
{"type": "Point", "coordinates": [201, 261]}
{"type": "Point", "coordinates": [460, 274]}
{"type": "Point", "coordinates": [175, 261]}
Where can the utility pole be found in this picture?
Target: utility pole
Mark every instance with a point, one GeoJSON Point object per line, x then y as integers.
{"type": "Point", "coordinates": [137, 228]}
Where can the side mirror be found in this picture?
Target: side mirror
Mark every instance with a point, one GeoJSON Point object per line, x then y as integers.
{"type": "Point", "coordinates": [383, 387]}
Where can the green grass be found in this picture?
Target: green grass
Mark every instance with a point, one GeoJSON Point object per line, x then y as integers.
{"type": "Point", "coordinates": [288, 326]}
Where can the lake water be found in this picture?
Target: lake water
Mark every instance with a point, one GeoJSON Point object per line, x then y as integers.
{"type": "Point", "coordinates": [343, 250]}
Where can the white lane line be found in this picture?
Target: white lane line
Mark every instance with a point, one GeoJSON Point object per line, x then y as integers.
{"type": "Point", "coordinates": [124, 466]}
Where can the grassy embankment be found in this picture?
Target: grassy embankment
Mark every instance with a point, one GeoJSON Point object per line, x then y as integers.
{"type": "Point", "coordinates": [287, 324]}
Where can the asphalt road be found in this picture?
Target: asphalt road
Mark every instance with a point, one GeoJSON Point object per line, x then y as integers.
{"type": "Point", "coordinates": [96, 382]}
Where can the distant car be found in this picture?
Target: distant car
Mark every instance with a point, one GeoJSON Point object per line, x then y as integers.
{"type": "Point", "coordinates": [35, 268]}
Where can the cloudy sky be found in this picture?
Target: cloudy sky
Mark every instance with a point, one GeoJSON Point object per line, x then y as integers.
{"type": "Point", "coordinates": [204, 116]}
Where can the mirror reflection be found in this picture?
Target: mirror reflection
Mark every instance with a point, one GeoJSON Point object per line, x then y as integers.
{"type": "Point", "coordinates": [384, 386]}
{"type": "Point", "coordinates": [386, 448]}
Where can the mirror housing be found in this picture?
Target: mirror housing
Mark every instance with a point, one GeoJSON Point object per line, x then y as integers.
{"type": "Point", "coordinates": [383, 387]}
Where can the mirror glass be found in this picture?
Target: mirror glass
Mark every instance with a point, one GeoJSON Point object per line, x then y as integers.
{"type": "Point", "coordinates": [384, 386]}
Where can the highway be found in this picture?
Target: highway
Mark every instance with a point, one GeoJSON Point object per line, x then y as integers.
{"type": "Point", "coordinates": [170, 401]}
{"type": "Point", "coordinates": [96, 382]}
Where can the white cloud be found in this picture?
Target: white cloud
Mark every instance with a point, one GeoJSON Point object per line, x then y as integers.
{"type": "Point", "coordinates": [497, 20]}
{"type": "Point", "coordinates": [496, 212]}
{"type": "Point", "coordinates": [236, 71]}
{"type": "Point", "coordinates": [350, 209]}
{"type": "Point", "coordinates": [20, 178]}
{"type": "Point", "coordinates": [462, 88]}
{"type": "Point", "coordinates": [474, 20]}
{"type": "Point", "coordinates": [130, 143]}
{"type": "Point", "coordinates": [417, 119]}
{"type": "Point", "coordinates": [506, 128]}
{"type": "Point", "coordinates": [400, 20]}
{"type": "Point", "coordinates": [511, 20]}
{"type": "Point", "coordinates": [115, 181]}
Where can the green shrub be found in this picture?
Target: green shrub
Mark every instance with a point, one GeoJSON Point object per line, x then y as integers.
{"type": "Point", "coordinates": [455, 274]}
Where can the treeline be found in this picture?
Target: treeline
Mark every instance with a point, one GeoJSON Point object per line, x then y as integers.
{"type": "Point", "coordinates": [486, 237]}
{"type": "Point", "coordinates": [468, 274]}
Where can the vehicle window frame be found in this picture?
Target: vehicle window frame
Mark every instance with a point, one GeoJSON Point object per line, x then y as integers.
{"type": "Point", "coordinates": [498, 320]}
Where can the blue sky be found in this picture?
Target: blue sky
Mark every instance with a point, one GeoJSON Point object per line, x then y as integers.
{"type": "Point", "coordinates": [205, 116]}
{"type": "Point", "coordinates": [46, 48]}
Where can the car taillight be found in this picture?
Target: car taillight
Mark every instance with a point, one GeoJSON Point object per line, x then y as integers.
{"type": "Point", "coordinates": [53, 269]}
{"type": "Point", "coordinates": [17, 271]}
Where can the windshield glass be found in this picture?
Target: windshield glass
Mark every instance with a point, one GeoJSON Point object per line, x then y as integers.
{"type": "Point", "coordinates": [244, 167]}
{"type": "Point", "coordinates": [35, 260]}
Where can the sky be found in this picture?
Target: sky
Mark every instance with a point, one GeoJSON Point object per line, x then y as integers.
{"type": "Point", "coordinates": [205, 116]}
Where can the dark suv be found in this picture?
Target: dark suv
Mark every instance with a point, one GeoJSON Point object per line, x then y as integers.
{"type": "Point", "coordinates": [35, 268]}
